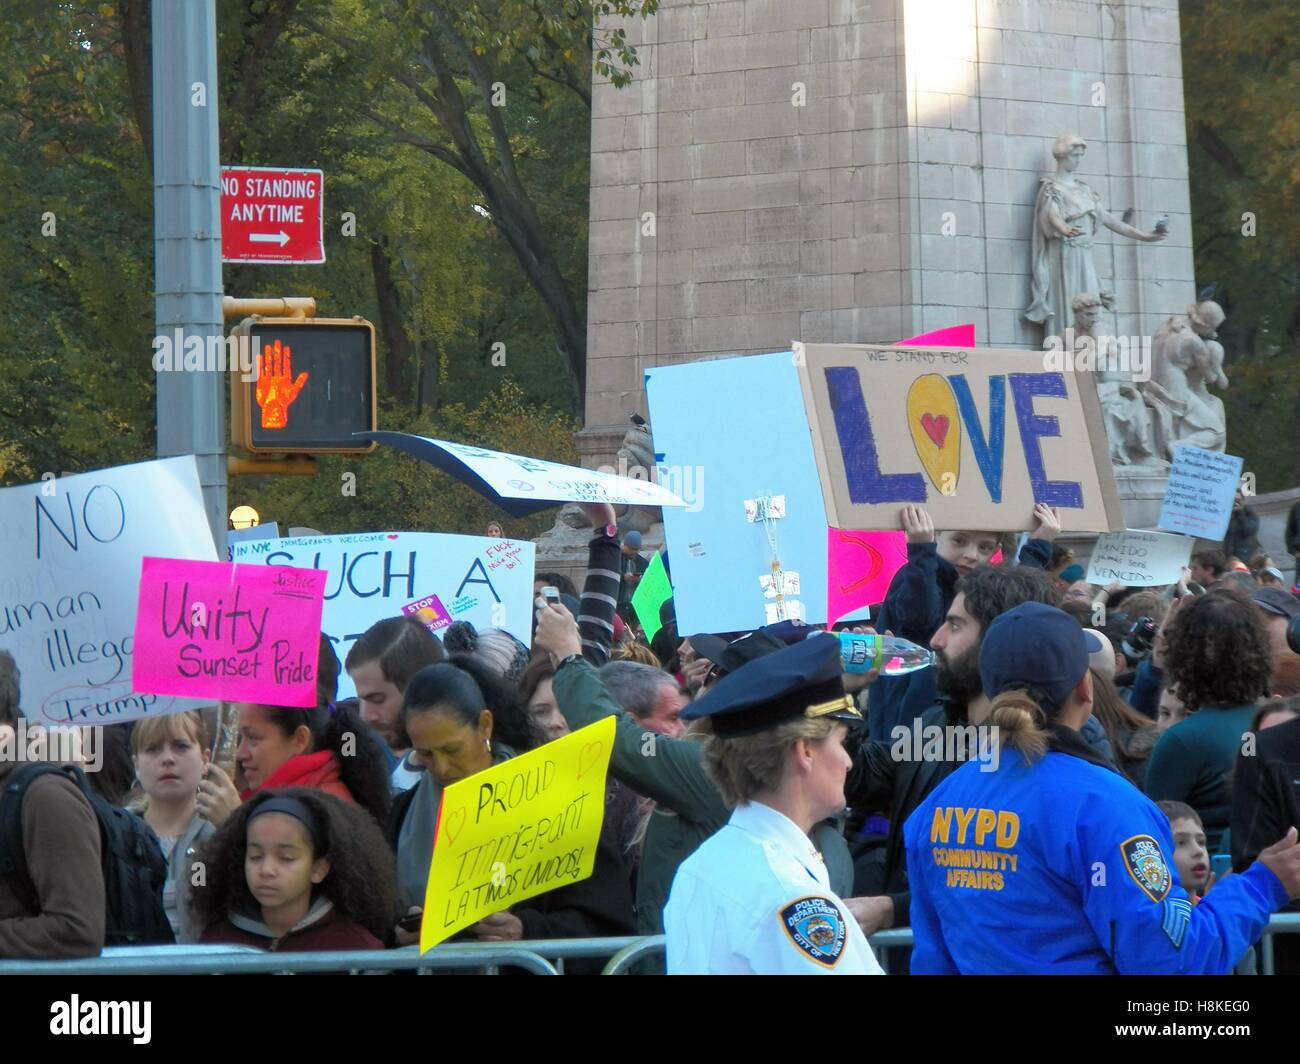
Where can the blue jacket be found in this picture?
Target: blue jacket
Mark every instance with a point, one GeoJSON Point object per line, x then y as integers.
{"type": "Point", "coordinates": [1063, 867]}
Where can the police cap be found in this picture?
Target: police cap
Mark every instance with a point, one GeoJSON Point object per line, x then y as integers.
{"type": "Point", "coordinates": [804, 680]}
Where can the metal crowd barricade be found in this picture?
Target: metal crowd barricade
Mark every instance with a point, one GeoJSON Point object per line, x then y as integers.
{"type": "Point", "coordinates": [542, 957]}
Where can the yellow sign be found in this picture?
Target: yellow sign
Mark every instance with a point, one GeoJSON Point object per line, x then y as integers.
{"type": "Point", "coordinates": [516, 830]}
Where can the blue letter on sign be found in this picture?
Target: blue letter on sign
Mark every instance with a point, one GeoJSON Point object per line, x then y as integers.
{"type": "Point", "coordinates": [1024, 386]}
{"type": "Point", "coordinates": [988, 453]}
{"type": "Point", "coordinates": [858, 446]}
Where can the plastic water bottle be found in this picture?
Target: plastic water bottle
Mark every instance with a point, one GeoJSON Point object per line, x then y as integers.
{"type": "Point", "coordinates": [896, 657]}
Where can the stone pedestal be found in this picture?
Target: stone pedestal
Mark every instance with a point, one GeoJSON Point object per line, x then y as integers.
{"type": "Point", "coordinates": [853, 171]}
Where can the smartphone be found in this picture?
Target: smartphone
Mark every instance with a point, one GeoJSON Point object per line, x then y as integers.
{"type": "Point", "coordinates": [551, 594]}
{"type": "Point", "coordinates": [1220, 865]}
{"type": "Point", "coordinates": [411, 921]}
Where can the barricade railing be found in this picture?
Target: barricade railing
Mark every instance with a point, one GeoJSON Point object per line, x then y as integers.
{"type": "Point", "coordinates": [541, 957]}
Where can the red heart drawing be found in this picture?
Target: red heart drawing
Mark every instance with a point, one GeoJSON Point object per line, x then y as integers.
{"type": "Point", "coordinates": [590, 756]}
{"type": "Point", "coordinates": [454, 823]}
{"type": "Point", "coordinates": [393, 535]}
{"type": "Point", "coordinates": [935, 427]}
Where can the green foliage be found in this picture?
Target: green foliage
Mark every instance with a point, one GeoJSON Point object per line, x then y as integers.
{"type": "Point", "coordinates": [1241, 81]}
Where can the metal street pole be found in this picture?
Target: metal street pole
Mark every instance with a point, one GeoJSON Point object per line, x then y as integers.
{"type": "Point", "coordinates": [187, 241]}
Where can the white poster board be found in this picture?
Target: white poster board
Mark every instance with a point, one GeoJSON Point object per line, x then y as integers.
{"type": "Point", "coordinates": [1139, 559]}
{"type": "Point", "coordinates": [1199, 496]}
{"type": "Point", "coordinates": [373, 575]}
{"type": "Point", "coordinates": [72, 549]}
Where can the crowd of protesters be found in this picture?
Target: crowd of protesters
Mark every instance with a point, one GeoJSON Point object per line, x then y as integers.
{"type": "Point", "coordinates": [318, 835]}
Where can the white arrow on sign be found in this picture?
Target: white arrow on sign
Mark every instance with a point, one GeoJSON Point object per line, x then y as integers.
{"type": "Point", "coordinates": [280, 238]}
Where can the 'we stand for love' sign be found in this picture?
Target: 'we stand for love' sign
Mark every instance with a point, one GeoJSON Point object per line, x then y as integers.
{"type": "Point", "coordinates": [977, 436]}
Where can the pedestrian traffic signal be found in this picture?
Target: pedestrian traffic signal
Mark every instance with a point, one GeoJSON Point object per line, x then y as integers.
{"type": "Point", "coordinates": [311, 387]}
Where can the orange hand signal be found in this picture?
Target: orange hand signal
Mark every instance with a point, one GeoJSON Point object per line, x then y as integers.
{"type": "Point", "coordinates": [276, 388]}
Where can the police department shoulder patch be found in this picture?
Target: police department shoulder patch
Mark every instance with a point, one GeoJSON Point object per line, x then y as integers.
{"type": "Point", "coordinates": [816, 927]}
{"type": "Point", "coordinates": [1146, 864]}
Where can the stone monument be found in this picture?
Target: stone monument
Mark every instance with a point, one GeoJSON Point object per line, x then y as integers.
{"type": "Point", "coordinates": [853, 171]}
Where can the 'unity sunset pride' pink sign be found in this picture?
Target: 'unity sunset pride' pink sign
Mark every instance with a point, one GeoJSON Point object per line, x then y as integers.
{"type": "Point", "coordinates": [222, 630]}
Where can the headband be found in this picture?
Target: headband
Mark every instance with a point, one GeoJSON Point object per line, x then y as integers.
{"type": "Point", "coordinates": [296, 808]}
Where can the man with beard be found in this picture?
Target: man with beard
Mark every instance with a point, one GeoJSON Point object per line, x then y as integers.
{"type": "Point", "coordinates": [885, 775]}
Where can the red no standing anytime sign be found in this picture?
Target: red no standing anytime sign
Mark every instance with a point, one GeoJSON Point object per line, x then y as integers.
{"type": "Point", "coordinates": [271, 215]}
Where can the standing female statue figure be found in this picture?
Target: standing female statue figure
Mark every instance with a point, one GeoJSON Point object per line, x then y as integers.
{"type": "Point", "coordinates": [1067, 215]}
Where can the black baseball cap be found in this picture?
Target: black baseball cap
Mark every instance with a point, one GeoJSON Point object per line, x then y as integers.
{"type": "Point", "coordinates": [1035, 645]}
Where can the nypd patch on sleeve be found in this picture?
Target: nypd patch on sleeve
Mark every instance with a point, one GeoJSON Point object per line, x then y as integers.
{"type": "Point", "coordinates": [816, 928]}
{"type": "Point", "coordinates": [1146, 864]}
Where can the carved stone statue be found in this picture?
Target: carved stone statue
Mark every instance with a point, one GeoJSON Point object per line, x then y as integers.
{"type": "Point", "coordinates": [1067, 217]}
{"type": "Point", "coordinates": [636, 458]}
{"type": "Point", "coordinates": [1186, 359]}
{"type": "Point", "coordinates": [1128, 422]}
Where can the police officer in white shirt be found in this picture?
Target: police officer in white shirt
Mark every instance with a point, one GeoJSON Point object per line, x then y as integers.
{"type": "Point", "coordinates": [755, 898]}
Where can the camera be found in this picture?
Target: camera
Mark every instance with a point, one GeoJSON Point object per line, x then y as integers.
{"type": "Point", "coordinates": [1140, 639]}
{"type": "Point", "coordinates": [1293, 634]}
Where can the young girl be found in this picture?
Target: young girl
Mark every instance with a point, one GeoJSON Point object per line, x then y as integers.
{"type": "Point", "coordinates": [297, 870]}
{"type": "Point", "coordinates": [169, 754]}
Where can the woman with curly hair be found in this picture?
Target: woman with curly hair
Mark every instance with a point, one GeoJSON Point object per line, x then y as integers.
{"type": "Point", "coordinates": [1216, 655]}
{"type": "Point", "coordinates": [297, 870]}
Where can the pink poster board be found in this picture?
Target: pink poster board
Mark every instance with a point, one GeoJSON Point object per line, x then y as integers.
{"type": "Point", "coordinates": [222, 630]}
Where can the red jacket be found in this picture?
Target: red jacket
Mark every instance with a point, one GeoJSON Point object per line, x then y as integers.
{"type": "Point", "coordinates": [318, 771]}
{"type": "Point", "coordinates": [320, 930]}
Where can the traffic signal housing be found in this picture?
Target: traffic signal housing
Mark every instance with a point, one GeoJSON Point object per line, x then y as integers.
{"type": "Point", "coordinates": [315, 386]}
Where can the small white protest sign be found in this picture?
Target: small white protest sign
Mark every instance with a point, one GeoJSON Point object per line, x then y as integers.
{"type": "Point", "coordinates": [1199, 496]}
{"type": "Point", "coordinates": [522, 485]}
{"type": "Point", "coordinates": [1139, 559]}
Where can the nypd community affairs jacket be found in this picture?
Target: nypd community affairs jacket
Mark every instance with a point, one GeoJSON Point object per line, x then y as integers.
{"type": "Point", "coordinates": [1062, 866]}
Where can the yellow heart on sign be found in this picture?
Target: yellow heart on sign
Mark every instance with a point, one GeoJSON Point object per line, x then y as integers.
{"type": "Point", "coordinates": [936, 430]}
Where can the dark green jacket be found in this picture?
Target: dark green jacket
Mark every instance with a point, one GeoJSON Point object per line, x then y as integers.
{"type": "Point", "coordinates": [688, 806]}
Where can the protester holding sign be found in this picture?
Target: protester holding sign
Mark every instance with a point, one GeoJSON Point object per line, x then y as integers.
{"type": "Point", "coordinates": [297, 870]}
{"type": "Point", "coordinates": [325, 747]}
{"type": "Point", "coordinates": [462, 720]}
{"type": "Point", "coordinates": [688, 806]}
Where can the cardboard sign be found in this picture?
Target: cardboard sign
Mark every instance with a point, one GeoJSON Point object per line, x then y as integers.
{"type": "Point", "coordinates": [976, 436]}
{"type": "Point", "coordinates": [1202, 487]}
{"type": "Point", "coordinates": [246, 535]}
{"type": "Point", "coordinates": [71, 578]}
{"type": "Point", "coordinates": [516, 830]}
{"type": "Point", "coordinates": [651, 593]}
{"type": "Point", "coordinates": [243, 633]}
{"type": "Point", "coordinates": [521, 485]}
{"type": "Point", "coordinates": [439, 578]}
{"type": "Point", "coordinates": [1139, 559]}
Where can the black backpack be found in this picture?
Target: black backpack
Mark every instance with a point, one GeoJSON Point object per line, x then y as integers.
{"type": "Point", "coordinates": [134, 869]}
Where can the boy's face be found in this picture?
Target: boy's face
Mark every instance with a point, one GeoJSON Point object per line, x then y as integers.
{"type": "Point", "coordinates": [1190, 854]}
{"type": "Point", "coordinates": [966, 550]}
